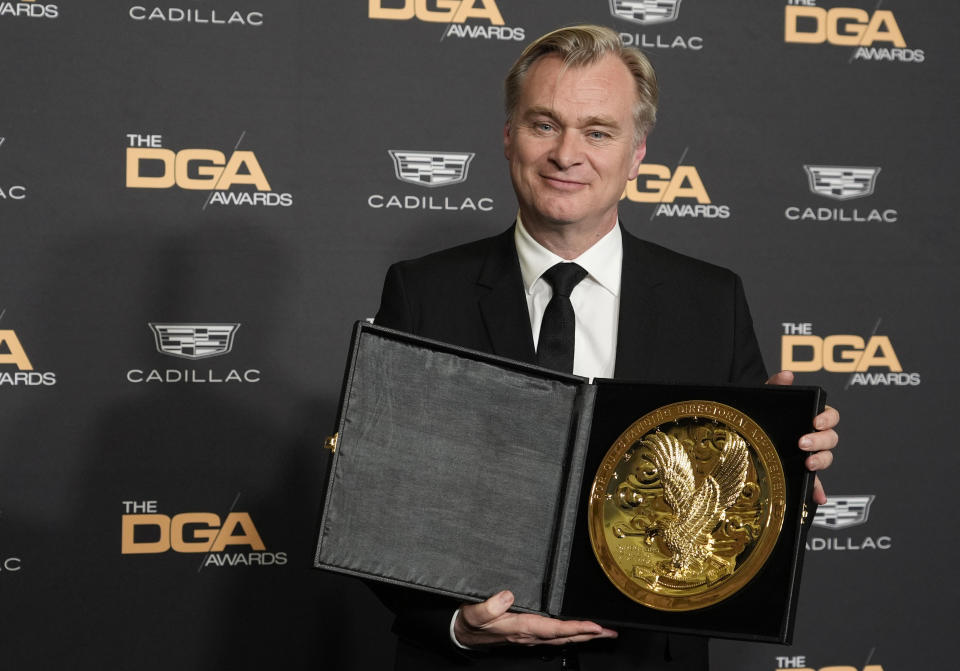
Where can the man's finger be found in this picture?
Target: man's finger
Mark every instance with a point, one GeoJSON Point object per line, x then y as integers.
{"type": "Point", "coordinates": [480, 615]}
{"type": "Point", "coordinates": [546, 628]}
{"type": "Point", "coordinates": [520, 629]}
{"type": "Point", "coordinates": [538, 630]}
{"type": "Point", "coordinates": [819, 496]}
{"type": "Point", "coordinates": [819, 461]}
{"type": "Point", "coordinates": [819, 441]}
{"type": "Point", "coordinates": [827, 419]}
{"type": "Point", "coordinates": [579, 638]}
{"type": "Point", "coordinates": [784, 377]}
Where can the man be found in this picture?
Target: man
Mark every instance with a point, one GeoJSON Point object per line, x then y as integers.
{"type": "Point", "coordinates": [579, 108]}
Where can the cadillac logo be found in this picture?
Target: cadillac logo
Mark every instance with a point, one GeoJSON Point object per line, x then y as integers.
{"type": "Point", "coordinates": [841, 512]}
{"type": "Point", "coordinates": [841, 183]}
{"type": "Point", "coordinates": [646, 12]}
{"type": "Point", "coordinates": [194, 341]}
{"type": "Point", "coordinates": [425, 168]}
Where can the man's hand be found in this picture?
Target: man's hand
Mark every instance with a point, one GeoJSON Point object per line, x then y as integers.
{"type": "Point", "coordinates": [820, 442]}
{"type": "Point", "coordinates": [489, 623]}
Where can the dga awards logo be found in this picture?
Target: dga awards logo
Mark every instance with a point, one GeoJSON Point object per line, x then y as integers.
{"type": "Point", "coordinates": [677, 193]}
{"type": "Point", "coordinates": [841, 183]}
{"type": "Point", "coordinates": [471, 19]}
{"type": "Point", "coordinates": [800, 663]}
{"type": "Point", "coordinates": [29, 9]}
{"type": "Point", "coordinates": [873, 33]}
{"type": "Point", "coordinates": [869, 361]}
{"type": "Point", "coordinates": [16, 368]}
{"type": "Point", "coordinates": [11, 191]}
{"type": "Point", "coordinates": [201, 16]}
{"type": "Point", "coordinates": [652, 13]}
{"type": "Point", "coordinates": [230, 540]}
{"type": "Point", "coordinates": [430, 169]}
{"type": "Point", "coordinates": [842, 512]}
{"type": "Point", "coordinates": [193, 342]}
{"type": "Point", "coordinates": [237, 179]}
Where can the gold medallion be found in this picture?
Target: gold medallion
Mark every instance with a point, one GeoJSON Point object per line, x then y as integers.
{"type": "Point", "coordinates": [687, 505]}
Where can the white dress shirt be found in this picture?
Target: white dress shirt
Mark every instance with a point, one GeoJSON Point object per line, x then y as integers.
{"type": "Point", "coordinates": [595, 300]}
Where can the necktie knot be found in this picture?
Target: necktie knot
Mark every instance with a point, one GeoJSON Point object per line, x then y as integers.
{"type": "Point", "coordinates": [563, 277]}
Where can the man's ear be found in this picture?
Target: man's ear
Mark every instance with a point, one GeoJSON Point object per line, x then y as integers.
{"type": "Point", "coordinates": [638, 155]}
{"type": "Point", "coordinates": [507, 139]}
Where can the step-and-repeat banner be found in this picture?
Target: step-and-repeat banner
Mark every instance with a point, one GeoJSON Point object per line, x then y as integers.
{"type": "Point", "coordinates": [199, 197]}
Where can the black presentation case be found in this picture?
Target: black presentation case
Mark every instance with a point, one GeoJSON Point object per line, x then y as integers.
{"type": "Point", "coordinates": [463, 473]}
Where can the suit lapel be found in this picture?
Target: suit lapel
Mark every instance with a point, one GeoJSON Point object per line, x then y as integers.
{"type": "Point", "coordinates": [503, 307]}
{"type": "Point", "coordinates": [639, 329]}
{"type": "Point", "coordinates": [502, 303]}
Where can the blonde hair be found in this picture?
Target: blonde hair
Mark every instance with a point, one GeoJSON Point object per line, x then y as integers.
{"type": "Point", "coordinates": [585, 45]}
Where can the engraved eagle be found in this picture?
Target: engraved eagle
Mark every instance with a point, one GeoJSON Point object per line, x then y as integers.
{"type": "Point", "coordinates": [696, 510]}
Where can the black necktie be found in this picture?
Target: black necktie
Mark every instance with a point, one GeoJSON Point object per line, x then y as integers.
{"type": "Point", "coordinates": [555, 346]}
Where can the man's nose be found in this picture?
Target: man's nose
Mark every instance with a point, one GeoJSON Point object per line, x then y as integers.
{"type": "Point", "coordinates": [567, 151]}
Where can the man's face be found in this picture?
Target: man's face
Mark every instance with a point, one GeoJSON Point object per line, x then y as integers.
{"type": "Point", "coordinates": [571, 143]}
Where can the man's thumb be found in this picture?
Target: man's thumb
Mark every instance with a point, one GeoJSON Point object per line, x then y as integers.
{"type": "Point", "coordinates": [480, 614]}
{"type": "Point", "coordinates": [784, 377]}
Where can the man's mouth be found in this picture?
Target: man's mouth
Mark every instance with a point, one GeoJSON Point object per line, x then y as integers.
{"type": "Point", "coordinates": [564, 183]}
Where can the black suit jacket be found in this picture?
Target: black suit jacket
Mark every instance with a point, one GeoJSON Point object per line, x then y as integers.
{"type": "Point", "coordinates": [681, 320]}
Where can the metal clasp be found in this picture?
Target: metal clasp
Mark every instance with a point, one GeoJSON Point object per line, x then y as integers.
{"type": "Point", "coordinates": [331, 442]}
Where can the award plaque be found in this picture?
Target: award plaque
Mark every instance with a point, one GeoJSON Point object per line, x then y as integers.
{"type": "Point", "coordinates": [661, 506]}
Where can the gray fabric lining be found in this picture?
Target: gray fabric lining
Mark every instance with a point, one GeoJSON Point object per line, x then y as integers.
{"type": "Point", "coordinates": [448, 473]}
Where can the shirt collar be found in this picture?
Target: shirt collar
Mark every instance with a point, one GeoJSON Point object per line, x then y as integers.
{"type": "Point", "coordinates": [603, 261]}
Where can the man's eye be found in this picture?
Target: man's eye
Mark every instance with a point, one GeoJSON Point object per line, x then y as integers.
{"type": "Point", "coordinates": [543, 126]}
{"type": "Point", "coordinates": [598, 135]}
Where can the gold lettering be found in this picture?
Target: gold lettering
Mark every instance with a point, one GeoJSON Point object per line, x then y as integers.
{"type": "Point", "coordinates": [686, 174]}
{"type": "Point", "coordinates": [883, 27]}
{"type": "Point", "coordinates": [647, 172]}
{"type": "Point", "coordinates": [178, 541]}
{"type": "Point", "coordinates": [792, 20]}
{"type": "Point", "coordinates": [469, 10]}
{"type": "Point", "coordinates": [137, 154]}
{"type": "Point", "coordinates": [788, 346]}
{"type": "Point", "coordinates": [447, 11]}
{"type": "Point", "coordinates": [16, 355]}
{"type": "Point", "coordinates": [848, 358]}
{"type": "Point", "coordinates": [209, 174]}
{"type": "Point", "coordinates": [841, 26]}
{"type": "Point", "coordinates": [853, 23]}
{"type": "Point", "coordinates": [254, 175]}
{"type": "Point", "coordinates": [426, 14]}
{"type": "Point", "coordinates": [377, 11]}
{"type": "Point", "coordinates": [879, 352]}
{"type": "Point", "coordinates": [250, 536]}
{"type": "Point", "coordinates": [129, 523]}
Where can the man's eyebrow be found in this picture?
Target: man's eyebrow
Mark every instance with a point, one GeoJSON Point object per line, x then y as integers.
{"type": "Point", "coordinates": [599, 120]}
{"type": "Point", "coordinates": [539, 111]}
{"type": "Point", "coordinates": [609, 122]}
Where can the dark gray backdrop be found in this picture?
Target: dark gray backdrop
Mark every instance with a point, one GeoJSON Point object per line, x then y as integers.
{"type": "Point", "coordinates": [319, 93]}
